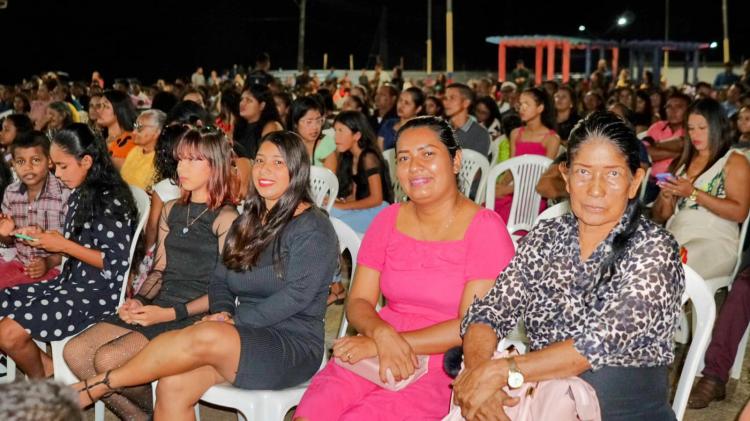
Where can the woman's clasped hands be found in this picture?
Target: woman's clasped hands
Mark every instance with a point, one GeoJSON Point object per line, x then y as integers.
{"type": "Point", "coordinates": [479, 391]}
{"type": "Point", "coordinates": [392, 350]}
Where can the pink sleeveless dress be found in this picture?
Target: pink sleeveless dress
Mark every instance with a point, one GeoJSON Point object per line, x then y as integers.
{"type": "Point", "coordinates": [503, 204]}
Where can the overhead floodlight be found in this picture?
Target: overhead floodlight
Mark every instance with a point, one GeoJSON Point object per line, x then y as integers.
{"type": "Point", "coordinates": [581, 28]}
{"type": "Point", "coordinates": [622, 21]}
{"type": "Point", "coordinates": [713, 44]}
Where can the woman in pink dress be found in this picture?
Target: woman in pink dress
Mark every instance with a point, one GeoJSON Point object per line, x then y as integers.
{"type": "Point", "coordinates": [430, 258]}
{"type": "Point", "coordinates": [535, 137]}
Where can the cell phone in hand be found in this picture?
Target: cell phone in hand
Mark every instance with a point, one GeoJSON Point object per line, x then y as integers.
{"type": "Point", "coordinates": [664, 176]}
{"type": "Point", "coordinates": [24, 237]}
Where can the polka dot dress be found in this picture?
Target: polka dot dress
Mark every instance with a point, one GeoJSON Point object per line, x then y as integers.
{"type": "Point", "coordinates": [81, 294]}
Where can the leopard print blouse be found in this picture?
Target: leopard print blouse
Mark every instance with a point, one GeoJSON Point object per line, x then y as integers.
{"type": "Point", "coordinates": [627, 321]}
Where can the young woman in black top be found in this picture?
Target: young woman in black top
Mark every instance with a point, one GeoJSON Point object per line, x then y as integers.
{"type": "Point", "coordinates": [364, 184]}
{"type": "Point", "coordinates": [266, 298]}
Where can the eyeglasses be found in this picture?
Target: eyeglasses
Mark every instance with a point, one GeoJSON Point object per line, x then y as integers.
{"type": "Point", "coordinates": [313, 121]}
{"type": "Point", "coordinates": [138, 126]}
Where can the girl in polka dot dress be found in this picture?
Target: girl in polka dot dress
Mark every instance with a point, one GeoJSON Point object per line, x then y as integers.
{"type": "Point", "coordinates": [98, 228]}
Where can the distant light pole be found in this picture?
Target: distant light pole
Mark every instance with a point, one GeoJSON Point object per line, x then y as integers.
{"type": "Point", "coordinates": [449, 36]}
{"type": "Point", "coordinates": [666, 33]}
{"type": "Point", "coordinates": [581, 28]}
{"type": "Point", "coordinates": [429, 37]}
{"type": "Point", "coordinates": [301, 36]}
{"type": "Point", "coordinates": [726, 30]}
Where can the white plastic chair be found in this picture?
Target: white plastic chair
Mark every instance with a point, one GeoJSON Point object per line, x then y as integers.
{"type": "Point", "coordinates": [398, 192]}
{"type": "Point", "coordinates": [9, 369]}
{"type": "Point", "coordinates": [471, 163]}
{"type": "Point", "coordinates": [62, 371]}
{"type": "Point", "coordinates": [324, 186]}
{"type": "Point", "coordinates": [348, 240]}
{"type": "Point", "coordinates": [716, 284]}
{"type": "Point", "coordinates": [644, 185]}
{"type": "Point", "coordinates": [270, 405]}
{"type": "Point", "coordinates": [704, 308]}
{"type": "Point", "coordinates": [526, 171]}
{"type": "Point", "coordinates": [494, 151]}
{"type": "Point", "coordinates": [553, 211]}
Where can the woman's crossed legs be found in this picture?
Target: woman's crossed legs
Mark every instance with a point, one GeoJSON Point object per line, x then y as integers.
{"type": "Point", "coordinates": [186, 362]}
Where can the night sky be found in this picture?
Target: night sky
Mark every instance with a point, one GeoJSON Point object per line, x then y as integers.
{"type": "Point", "coordinates": [160, 38]}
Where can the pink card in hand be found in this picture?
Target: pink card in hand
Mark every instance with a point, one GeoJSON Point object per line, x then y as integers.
{"type": "Point", "coordinates": [369, 369]}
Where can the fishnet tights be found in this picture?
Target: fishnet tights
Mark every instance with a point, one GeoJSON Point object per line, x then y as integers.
{"type": "Point", "coordinates": [105, 347]}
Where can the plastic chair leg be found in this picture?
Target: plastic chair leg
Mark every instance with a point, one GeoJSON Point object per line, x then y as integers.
{"type": "Point", "coordinates": [99, 410]}
{"type": "Point", "coordinates": [740, 357]}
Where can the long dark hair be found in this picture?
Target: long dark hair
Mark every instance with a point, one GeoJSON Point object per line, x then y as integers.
{"type": "Point", "coordinates": [25, 100]}
{"type": "Point", "coordinates": [418, 97]}
{"type": "Point", "coordinates": [269, 112]}
{"type": "Point", "coordinates": [62, 108]}
{"type": "Point", "coordinates": [300, 107]}
{"type": "Point", "coordinates": [357, 123]}
{"type": "Point", "coordinates": [492, 107]}
{"type": "Point", "coordinates": [608, 126]}
{"type": "Point", "coordinates": [6, 177]}
{"type": "Point", "coordinates": [541, 97]}
{"type": "Point", "coordinates": [21, 122]}
{"type": "Point", "coordinates": [188, 112]}
{"type": "Point", "coordinates": [259, 227]}
{"type": "Point", "coordinates": [103, 185]}
{"type": "Point", "coordinates": [249, 135]}
{"type": "Point", "coordinates": [718, 134]}
{"type": "Point", "coordinates": [165, 163]}
{"type": "Point", "coordinates": [124, 110]}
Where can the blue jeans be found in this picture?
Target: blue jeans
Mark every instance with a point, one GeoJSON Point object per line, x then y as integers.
{"type": "Point", "coordinates": [358, 219]}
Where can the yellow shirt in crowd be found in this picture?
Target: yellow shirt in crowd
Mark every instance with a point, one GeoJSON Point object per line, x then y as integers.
{"type": "Point", "coordinates": [138, 168]}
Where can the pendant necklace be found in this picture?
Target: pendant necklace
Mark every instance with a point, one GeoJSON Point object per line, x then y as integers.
{"type": "Point", "coordinates": [188, 222]}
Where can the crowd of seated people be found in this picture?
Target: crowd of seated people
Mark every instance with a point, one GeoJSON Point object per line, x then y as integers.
{"type": "Point", "coordinates": [215, 297]}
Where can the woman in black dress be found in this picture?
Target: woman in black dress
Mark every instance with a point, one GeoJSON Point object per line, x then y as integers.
{"type": "Point", "coordinates": [98, 228]}
{"type": "Point", "coordinates": [192, 230]}
{"type": "Point", "coordinates": [267, 297]}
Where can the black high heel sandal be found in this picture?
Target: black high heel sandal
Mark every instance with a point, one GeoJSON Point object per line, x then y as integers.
{"type": "Point", "coordinates": [105, 381]}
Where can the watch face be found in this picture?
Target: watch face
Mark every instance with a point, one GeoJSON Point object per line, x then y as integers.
{"type": "Point", "coordinates": [515, 379]}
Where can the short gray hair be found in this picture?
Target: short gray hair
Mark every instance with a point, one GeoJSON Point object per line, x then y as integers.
{"type": "Point", "coordinates": [157, 116]}
{"type": "Point", "coordinates": [39, 400]}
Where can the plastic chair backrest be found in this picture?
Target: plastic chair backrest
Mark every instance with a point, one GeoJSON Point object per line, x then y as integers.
{"type": "Point", "coordinates": [644, 184]}
{"type": "Point", "coordinates": [398, 192]}
{"type": "Point", "coordinates": [472, 163]}
{"type": "Point", "coordinates": [704, 307]}
{"type": "Point", "coordinates": [495, 148]}
{"type": "Point", "coordinates": [554, 211]}
{"type": "Point", "coordinates": [143, 203]}
{"type": "Point", "coordinates": [389, 155]}
{"type": "Point", "coordinates": [526, 171]}
{"type": "Point", "coordinates": [323, 185]}
{"type": "Point", "coordinates": [348, 240]}
{"type": "Point", "coordinates": [740, 244]}
{"type": "Point", "coordinates": [62, 371]}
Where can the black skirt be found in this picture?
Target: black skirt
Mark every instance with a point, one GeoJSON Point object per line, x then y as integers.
{"type": "Point", "coordinates": [632, 393]}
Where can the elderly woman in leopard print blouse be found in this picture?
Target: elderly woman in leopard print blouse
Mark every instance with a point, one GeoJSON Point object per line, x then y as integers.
{"type": "Point", "coordinates": [599, 291]}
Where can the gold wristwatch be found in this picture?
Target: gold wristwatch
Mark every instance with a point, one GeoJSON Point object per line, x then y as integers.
{"type": "Point", "coordinates": [693, 195]}
{"type": "Point", "coordinates": [515, 377]}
